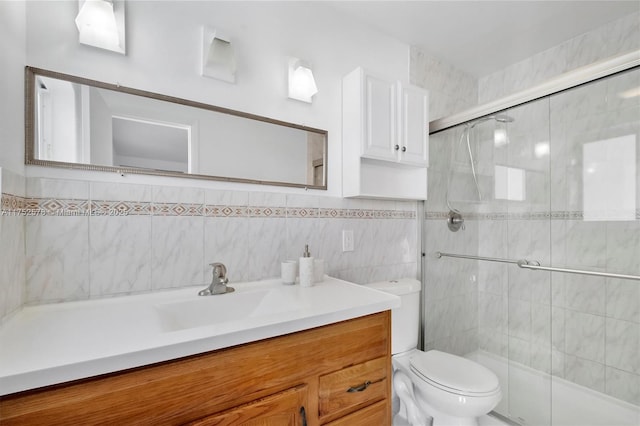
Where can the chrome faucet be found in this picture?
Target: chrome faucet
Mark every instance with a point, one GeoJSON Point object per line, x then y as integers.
{"type": "Point", "coordinates": [218, 281]}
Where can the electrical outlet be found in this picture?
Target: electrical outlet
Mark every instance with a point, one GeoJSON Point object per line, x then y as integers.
{"type": "Point", "coordinates": [347, 240]}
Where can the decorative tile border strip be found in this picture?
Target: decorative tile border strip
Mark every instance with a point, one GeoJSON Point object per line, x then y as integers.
{"type": "Point", "coordinates": [13, 205]}
{"type": "Point", "coordinates": [501, 215]}
{"type": "Point", "coordinates": [177, 209]}
{"type": "Point", "coordinates": [12, 202]}
{"type": "Point", "coordinates": [554, 215]}
{"type": "Point", "coordinates": [225, 211]}
{"type": "Point", "coordinates": [121, 208]}
{"type": "Point", "coordinates": [21, 206]}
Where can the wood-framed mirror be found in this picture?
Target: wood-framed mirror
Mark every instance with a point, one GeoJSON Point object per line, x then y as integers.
{"type": "Point", "coordinates": [77, 123]}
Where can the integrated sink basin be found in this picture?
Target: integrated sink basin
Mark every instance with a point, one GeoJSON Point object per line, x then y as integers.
{"type": "Point", "coordinates": [218, 310]}
{"type": "Point", "coordinates": [59, 342]}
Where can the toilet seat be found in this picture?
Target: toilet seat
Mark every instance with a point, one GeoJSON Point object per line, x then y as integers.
{"type": "Point", "coordinates": [454, 374]}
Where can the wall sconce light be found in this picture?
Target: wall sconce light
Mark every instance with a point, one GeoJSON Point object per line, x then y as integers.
{"type": "Point", "coordinates": [218, 56]}
{"type": "Point", "coordinates": [302, 85]}
{"type": "Point", "coordinates": [101, 24]}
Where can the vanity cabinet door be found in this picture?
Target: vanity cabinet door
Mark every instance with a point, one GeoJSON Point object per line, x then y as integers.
{"type": "Point", "coordinates": [286, 408]}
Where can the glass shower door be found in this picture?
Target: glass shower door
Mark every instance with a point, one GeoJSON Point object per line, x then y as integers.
{"type": "Point", "coordinates": [595, 191]}
{"type": "Point", "coordinates": [521, 188]}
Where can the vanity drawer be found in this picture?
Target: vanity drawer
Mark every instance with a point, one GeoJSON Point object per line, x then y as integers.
{"type": "Point", "coordinates": [375, 414]}
{"type": "Point", "coordinates": [353, 387]}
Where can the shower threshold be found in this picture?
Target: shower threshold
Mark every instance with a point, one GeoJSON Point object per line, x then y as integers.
{"type": "Point", "coordinates": [541, 399]}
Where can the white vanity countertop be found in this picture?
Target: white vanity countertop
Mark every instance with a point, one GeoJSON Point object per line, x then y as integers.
{"type": "Point", "coordinates": [56, 343]}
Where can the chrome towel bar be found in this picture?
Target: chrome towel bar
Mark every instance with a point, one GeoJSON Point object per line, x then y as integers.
{"type": "Point", "coordinates": [535, 265]}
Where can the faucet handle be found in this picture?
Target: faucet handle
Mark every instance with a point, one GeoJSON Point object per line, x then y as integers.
{"type": "Point", "coordinates": [219, 272]}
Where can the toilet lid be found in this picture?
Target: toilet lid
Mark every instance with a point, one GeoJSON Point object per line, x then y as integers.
{"type": "Point", "coordinates": [454, 373]}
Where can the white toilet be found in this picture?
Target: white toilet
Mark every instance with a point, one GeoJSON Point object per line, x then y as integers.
{"type": "Point", "coordinates": [433, 387]}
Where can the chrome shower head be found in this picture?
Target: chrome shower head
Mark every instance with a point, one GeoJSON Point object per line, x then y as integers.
{"type": "Point", "coordinates": [503, 118]}
{"type": "Point", "coordinates": [500, 118]}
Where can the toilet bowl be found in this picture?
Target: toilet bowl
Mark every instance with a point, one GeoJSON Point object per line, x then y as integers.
{"type": "Point", "coordinates": [450, 389]}
{"type": "Point", "coordinates": [445, 389]}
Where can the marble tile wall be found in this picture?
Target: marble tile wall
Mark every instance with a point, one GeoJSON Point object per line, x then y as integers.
{"type": "Point", "coordinates": [450, 89]}
{"type": "Point", "coordinates": [620, 36]}
{"type": "Point", "coordinates": [94, 239]}
{"type": "Point", "coordinates": [451, 289]}
{"type": "Point", "coordinates": [582, 328]}
{"type": "Point", "coordinates": [12, 249]}
{"type": "Point", "coordinates": [596, 320]}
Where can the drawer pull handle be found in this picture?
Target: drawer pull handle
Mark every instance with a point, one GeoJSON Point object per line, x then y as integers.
{"type": "Point", "coordinates": [359, 388]}
{"type": "Point", "coordinates": [303, 416]}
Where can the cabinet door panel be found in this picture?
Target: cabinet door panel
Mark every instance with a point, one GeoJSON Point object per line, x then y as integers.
{"type": "Point", "coordinates": [281, 409]}
{"type": "Point", "coordinates": [414, 126]}
{"type": "Point", "coordinates": [380, 119]}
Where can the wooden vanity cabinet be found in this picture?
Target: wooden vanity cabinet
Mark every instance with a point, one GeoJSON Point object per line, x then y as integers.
{"type": "Point", "coordinates": [338, 374]}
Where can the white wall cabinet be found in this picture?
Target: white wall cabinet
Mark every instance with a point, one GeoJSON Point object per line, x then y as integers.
{"type": "Point", "coordinates": [385, 138]}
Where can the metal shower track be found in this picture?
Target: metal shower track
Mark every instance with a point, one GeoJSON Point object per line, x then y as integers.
{"type": "Point", "coordinates": [557, 84]}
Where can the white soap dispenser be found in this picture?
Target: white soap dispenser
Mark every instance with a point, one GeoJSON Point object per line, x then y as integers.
{"type": "Point", "coordinates": [306, 268]}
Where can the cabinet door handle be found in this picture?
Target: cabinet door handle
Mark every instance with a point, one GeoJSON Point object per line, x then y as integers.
{"type": "Point", "coordinates": [359, 388]}
{"type": "Point", "coordinates": [303, 416]}
{"type": "Point", "coordinates": [404, 149]}
{"type": "Point", "coordinates": [397, 147]}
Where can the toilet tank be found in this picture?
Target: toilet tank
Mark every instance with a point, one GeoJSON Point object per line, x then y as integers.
{"type": "Point", "coordinates": [405, 320]}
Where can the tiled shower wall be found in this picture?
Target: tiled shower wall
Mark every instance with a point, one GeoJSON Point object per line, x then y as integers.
{"type": "Point", "coordinates": [450, 89]}
{"type": "Point", "coordinates": [620, 36]}
{"type": "Point", "coordinates": [455, 288]}
{"type": "Point", "coordinates": [93, 239]}
{"type": "Point", "coordinates": [582, 328]}
{"type": "Point", "coordinates": [451, 288]}
{"type": "Point", "coordinates": [595, 321]}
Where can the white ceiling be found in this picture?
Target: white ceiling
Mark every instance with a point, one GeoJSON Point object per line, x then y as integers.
{"type": "Point", "coordinates": [480, 37]}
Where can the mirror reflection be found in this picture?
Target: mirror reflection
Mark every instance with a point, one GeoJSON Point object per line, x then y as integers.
{"type": "Point", "coordinates": [80, 123]}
